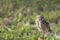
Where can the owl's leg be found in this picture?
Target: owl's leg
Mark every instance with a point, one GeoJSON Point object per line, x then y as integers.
{"type": "Point", "coordinates": [42, 35]}
{"type": "Point", "coordinates": [46, 34]}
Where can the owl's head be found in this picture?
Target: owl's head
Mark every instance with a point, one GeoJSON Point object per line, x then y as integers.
{"type": "Point", "coordinates": [40, 17]}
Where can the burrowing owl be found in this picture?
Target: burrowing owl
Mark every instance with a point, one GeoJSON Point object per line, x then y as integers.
{"type": "Point", "coordinates": [42, 25]}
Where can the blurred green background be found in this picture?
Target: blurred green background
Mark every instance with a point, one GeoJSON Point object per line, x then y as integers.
{"type": "Point", "coordinates": [17, 18]}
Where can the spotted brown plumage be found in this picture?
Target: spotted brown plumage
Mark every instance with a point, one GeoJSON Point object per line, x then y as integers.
{"type": "Point", "coordinates": [43, 25]}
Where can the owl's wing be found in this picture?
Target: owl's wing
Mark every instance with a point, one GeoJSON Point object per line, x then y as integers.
{"type": "Point", "coordinates": [47, 26]}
